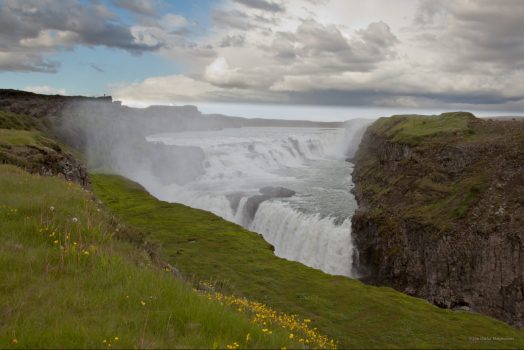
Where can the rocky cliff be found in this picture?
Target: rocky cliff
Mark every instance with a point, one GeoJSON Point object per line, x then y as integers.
{"type": "Point", "coordinates": [442, 211]}
{"type": "Point", "coordinates": [23, 143]}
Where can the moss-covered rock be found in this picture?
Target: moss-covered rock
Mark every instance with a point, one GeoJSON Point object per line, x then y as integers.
{"type": "Point", "coordinates": [440, 210]}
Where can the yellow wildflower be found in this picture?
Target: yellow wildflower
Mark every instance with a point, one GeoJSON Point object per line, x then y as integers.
{"type": "Point", "coordinates": [143, 303]}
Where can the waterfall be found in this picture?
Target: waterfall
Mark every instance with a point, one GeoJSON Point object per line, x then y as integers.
{"type": "Point", "coordinates": [307, 238]}
{"type": "Point", "coordinates": [305, 211]}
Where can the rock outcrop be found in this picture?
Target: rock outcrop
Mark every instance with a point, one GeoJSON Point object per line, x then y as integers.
{"type": "Point", "coordinates": [442, 211]}
{"type": "Point", "coordinates": [43, 157]}
{"type": "Point", "coordinates": [267, 193]}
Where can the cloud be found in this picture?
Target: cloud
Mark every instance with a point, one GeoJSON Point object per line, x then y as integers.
{"type": "Point", "coordinates": [316, 47]}
{"type": "Point", "coordinates": [429, 53]}
{"type": "Point", "coordinates": [172, 21]}
{"type": "Point", "coordinates": [219, 73]}
{"type": "Point", "coordinates": [233, 19]}
{"type": "Point", "coordinates": [50, 39]}
{"type": "Point", "coordinates": [262, 5]}
{"type": "Point", "coordinates": [45, 90]}
{"type": "Point", "coordinates": [25, 62]}
{"type": "Point", "coordinates": [475, 32]}
{"type": "Point", "coordinates": [166, 89]}
{"type": "Point", "coordinates": [235, 40]}
{"type": "Point", "coordinates": [29, 29]}
{"type": "Point", "coordinates": [141, 7]}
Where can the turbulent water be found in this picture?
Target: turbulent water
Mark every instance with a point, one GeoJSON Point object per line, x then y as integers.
{"type": "Point", "coordinates": [311, 226]}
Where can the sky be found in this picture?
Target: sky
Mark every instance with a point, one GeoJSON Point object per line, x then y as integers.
{"type": "Point", "coordinates": [327, 59]}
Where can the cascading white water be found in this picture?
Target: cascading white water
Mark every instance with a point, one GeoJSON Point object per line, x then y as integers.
{"type": "Point", "coordinates": [296, 235]}
{"type": "Point", "coordinates": [312, 226]}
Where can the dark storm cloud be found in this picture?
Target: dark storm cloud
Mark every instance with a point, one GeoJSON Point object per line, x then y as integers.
{"type": "Point", "coordinates": [262, 5]}
{"type": "Point", "coordinates": [30, 28]}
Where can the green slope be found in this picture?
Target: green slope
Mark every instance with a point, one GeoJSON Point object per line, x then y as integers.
{"type": "Point", "coordinates": [68, 281]}
{"type": "Point", "coordinates": [207, 247]}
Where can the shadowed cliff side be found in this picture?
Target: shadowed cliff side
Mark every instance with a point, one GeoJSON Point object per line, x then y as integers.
{"type": "Point", "coordinates": [441, 210]}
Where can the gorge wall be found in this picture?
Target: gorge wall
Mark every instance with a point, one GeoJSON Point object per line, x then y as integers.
{"type": "Point", "coordinates": [441, 211]}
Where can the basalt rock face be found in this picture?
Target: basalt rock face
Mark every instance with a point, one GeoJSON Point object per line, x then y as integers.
{"type": "Point", "coordinates": [442, 211]}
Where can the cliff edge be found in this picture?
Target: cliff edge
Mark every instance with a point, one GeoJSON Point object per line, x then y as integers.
{"type": "Point", "coordinates": [442, 211]}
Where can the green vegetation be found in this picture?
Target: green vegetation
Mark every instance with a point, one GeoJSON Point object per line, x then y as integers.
{"type": "Point", "coordinates": [443, 202]}
{"type": "Point", "coordinates": [68, 281]}
{"type": "Point", "coordinates": [20, 130]}
{"type": "Point", "coordinates": [19, 137]}
{"type": "Point", "coordinates": [10, 120]}
{"type": "Point", "coordinates": [25, 148]}
{"type": "Point", "coordinates": [412, 129]}
{"type": "Point", "coordinates": [24, 142]}
{"type": "Point", "coordinates": [207, 247]}
{"type": "Point", "coordinates": [443, 193]}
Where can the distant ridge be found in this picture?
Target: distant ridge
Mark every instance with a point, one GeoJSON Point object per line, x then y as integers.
{"type": "Point", "coordinates": [40, 106]}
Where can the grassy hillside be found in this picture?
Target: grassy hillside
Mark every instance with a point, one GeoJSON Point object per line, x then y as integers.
{"type": "Point", "coordinates": [67, 281]}
{"type": "Point", "coordinates": [206, 247]}
{"type": "Point", "coordinates": [413, 129]}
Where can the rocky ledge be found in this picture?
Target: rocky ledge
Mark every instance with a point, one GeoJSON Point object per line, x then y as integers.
{"type": "Point", "coordinates": [23, 143]}
{"type": "Point", "coordinates": [442, 211]}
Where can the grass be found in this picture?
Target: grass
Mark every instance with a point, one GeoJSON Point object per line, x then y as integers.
{"type": "Point", "coordinates": [26, 143]}
{"type": "Point", "coordinates": [207, 247]}
{"type": "Point", "coordinates": [10, 120]}
{"type": "Point", "coordinates": [67, 281]}
{"type": "Point", "coordinates": [438, 197]}
{"type": "Point", "coordinates": [412, 129]}
{"type": "Point", "coordinates": [443, 203]}
{"type": "Point", "coordinates": [25, 148]}
{"type": "Point", "coordinates": [19, 137]}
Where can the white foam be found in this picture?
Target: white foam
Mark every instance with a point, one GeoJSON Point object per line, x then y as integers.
{"type": "Point", "coordinates": [314, 241]}
{"type": "Point", "coordinates": [243, 161]}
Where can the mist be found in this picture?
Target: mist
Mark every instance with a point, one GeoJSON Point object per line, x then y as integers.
{"type": "Point", "coordinates": [290, 181]}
